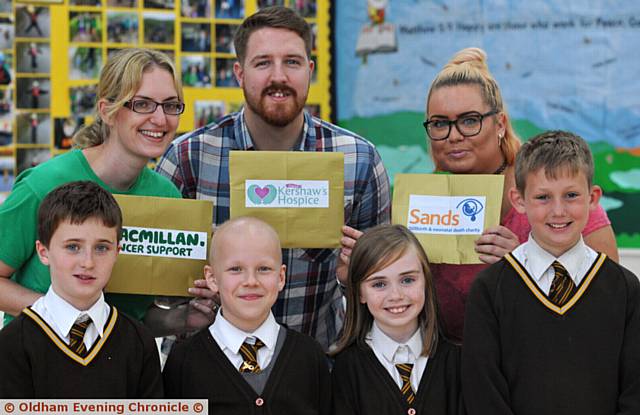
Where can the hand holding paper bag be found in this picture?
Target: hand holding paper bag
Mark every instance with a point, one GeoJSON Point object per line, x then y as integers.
{"type": "Point", "coordinates": [495, 242]}
{"type": "Point", "coordinates": [348, 241]}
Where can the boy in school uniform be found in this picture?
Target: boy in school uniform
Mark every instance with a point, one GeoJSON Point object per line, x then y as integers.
{"type": "Point", "coordinates": [70, 343]}
{"type": "Point", "coordinates": [554, 327]}
{"type": "Point", "coordinates": [245, 362]}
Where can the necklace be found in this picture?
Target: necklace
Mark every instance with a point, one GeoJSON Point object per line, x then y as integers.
{"type": "Point", "coordinates": [501, 168]}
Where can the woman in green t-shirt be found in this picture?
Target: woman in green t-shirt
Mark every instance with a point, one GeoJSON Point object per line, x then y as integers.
{"type": "Point", "coordinates": [138, 104]}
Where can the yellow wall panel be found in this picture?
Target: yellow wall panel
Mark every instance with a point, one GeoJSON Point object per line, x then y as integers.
{"type": "Point", "coordinates": [69, 26]}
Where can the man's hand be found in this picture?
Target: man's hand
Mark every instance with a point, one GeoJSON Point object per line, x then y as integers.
{"type": "Point", "coordinates": [202, 309]}
{"type": "Point", "coordinates": [176, 315]}
{"type": "Point", "coordinates": [349, 238]}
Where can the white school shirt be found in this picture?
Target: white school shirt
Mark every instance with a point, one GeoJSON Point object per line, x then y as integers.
{"type": "Point", "coordinates": [60, 316]}
{"type": "Point", "coordinates": [389, 353]}
{"type": "Point", "coordinates": [537, 262]}
{"type": "Point", "coordinates": [230, 338]}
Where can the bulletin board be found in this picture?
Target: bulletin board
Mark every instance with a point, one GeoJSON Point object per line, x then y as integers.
{"type": "Point", "coordinates": [52, 52]}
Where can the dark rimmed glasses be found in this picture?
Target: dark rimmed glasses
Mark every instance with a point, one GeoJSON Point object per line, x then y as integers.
{"type": "Point", "coordinates": [468, 125]}
{"type": "Point", "coordinates": [148, 106]}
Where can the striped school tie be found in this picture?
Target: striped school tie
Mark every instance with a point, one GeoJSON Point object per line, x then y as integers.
{"type": "Point", "coordinates": [405, 374]}
{"type": "Point", "coordinates": [562, 286]}
{"type": "Point", "coordinates": [76, 335]}
{"type": "Point", "coordinates": [249, 353]}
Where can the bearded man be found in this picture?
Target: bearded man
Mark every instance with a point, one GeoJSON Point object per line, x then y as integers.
{"type": "Point", "coordinates": [274, 69]}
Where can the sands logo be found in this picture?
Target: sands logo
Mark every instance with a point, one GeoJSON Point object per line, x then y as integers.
{"type": "Point", "coordinates": [287, 193]}
{"type": "Point", "coordinates": [471, 207]}
{"type": "Point", "coordinates": [417, 216]}
{"type": "Point", "coordinates": [446, 214]}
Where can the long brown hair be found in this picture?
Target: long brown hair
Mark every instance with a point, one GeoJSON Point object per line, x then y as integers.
{"type": "Point", "coordinates": [376, 249]}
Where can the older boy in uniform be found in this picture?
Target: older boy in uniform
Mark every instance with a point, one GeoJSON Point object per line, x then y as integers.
{"type": "Point", "coordinates": [554, 327]}
{"type": "Point", "coordinates": [70, 343]}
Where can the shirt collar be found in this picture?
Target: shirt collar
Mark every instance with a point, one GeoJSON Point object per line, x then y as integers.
{"type": "Point", "coordinates": [232, 337]}
{"type": "Point", "coordinates": [244, 141]}
{"type": "Point", "coordinates": [64, 314]}
{"type": "Point", "coordinates": [388, 347]}
{"type": "Point", "coordinates": [539, 260]}
{"type": "Point", "coordinates": [242, 136]}
{"type": "Point", "coordinates": [308, 142]}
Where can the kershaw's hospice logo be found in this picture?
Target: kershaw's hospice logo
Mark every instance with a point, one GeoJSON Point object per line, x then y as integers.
{"type": "Point", "coordinates": [460, 215]}
{"type": "Point", "coordinates": [287, 193]}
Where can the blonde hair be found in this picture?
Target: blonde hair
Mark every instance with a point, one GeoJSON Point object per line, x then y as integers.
{"type": "Point", "coordinates": [469, 67]}
{"type": "Point", "coordinates": [376, 249]}
{"type": "Point", "coordinates": [120, 79]}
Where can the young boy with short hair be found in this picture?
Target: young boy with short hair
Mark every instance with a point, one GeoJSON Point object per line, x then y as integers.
{"type": "Point", "coordinates": [70, 343]}
{"type": "Point", "coordinates": [245, 362]}
{"type": "Point", "coordinates": [553, 327]}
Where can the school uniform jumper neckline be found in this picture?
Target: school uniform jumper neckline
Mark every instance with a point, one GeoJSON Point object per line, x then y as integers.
{"type": "Point", "coordinates": [543, 298]}
{"type": "Point", "coordinates": [64, 347]}
{"type": "Point", "coordinates": [390, 384]}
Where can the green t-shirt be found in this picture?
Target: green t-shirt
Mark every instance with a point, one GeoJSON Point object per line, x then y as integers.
{"type": "Point", "coordinates": [19, 215]}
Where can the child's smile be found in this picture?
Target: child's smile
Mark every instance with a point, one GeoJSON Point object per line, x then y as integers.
{"type": "Point", "coordinates": [397, 310]}
{"type": "Point", "coordinates": [394, 296]}
{"type": "Point", "coordinates": [247, 272]}
{"type": "Point", "coordinates": [80, 257]}
{"type": "Point", "coordinates": [557, 208]}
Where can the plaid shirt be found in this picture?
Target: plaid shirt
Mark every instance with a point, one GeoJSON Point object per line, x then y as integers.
{"type": "Point", "coordinates": [311, 302]}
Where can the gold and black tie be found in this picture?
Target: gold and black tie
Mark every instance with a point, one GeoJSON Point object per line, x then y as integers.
{"type": "Point", "coordinates": [249, 353]}
{"type": "Point", "coordinates": [76, 336]}
{"type": "Point", "coordinates": [405, 374]}
{"type": "Point", "coordinates": [562, 286]}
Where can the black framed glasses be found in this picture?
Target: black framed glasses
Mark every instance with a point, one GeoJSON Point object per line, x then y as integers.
{"type": "Point", "coordinates": [148, 106]}
{"type": "Point", "coordinates": [468, 125]}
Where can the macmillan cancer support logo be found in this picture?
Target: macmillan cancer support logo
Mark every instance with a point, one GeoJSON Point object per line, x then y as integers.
{"type": "Point", "coordinates": [262, 195]}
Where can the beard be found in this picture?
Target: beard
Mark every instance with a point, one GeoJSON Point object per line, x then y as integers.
{"type": "Point", "coordinates": [276, 114]}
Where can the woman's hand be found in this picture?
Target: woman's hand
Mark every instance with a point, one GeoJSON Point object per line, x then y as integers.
{"type": "Point", "coordinates": [349, 238]}
{"type": "Point", "coordinates": [494, 243]}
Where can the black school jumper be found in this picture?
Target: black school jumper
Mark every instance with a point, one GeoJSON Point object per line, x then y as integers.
{"type": "Point", "coordinates": [299, 382]}
{"type": "Point", "coordinates": [523, 355]}
{"type": "Point", "coordinates": [36, 363]}
{"type": "Point", "coordinates": [361, 385]}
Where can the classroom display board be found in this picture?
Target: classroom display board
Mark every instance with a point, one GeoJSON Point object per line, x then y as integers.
{"type": "Point", "coordinates": [51, 53]}
{"type": "Point", "coordinates": [570, 65]}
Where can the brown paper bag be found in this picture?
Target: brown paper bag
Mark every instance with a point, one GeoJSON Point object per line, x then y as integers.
{"type": "Point", "coordinates": [448, 212]}
{"type": "Point", "coordinates": [164, 245]}
{"type": "Point", "coordinates": [300, 194]}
